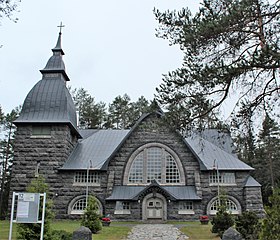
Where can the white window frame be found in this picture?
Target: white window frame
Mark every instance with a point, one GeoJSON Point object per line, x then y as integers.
{"type": "Point", "coordinates": [167, 154]}
{"type": "Point", "coordinates": [80, 178]}
{"type": "Point", "coordinates": [186, 207]}
{"type": "Point", "coordinates": [81, 200]}
{"type": "Point", "coordinates": [225, 178]}
{"type": "Point", "coordinates": [122, 207]}
{"type": "Point", "coordinates": [232, 204]}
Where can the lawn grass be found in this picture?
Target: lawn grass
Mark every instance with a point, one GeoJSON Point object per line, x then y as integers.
{"type": "Point", "coordinates": [116, 231]}
{"type": "Point", "coordinates": [197, 231]}
{"type": "Point", "coordinates": [119, 230]}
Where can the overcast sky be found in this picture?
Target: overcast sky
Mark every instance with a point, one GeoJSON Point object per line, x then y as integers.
{"type": "Point", "coordinates": [110, 47]}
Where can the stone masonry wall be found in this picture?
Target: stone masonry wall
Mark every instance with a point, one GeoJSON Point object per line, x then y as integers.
{"type": "Point", "coordinates": [153, 130]}
{"type": "Point", "coordinates": [236, 191]}
{"type": "Point", "coordinates": [51, 152]}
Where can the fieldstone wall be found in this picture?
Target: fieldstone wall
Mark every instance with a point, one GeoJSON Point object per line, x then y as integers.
{"type": "Point", "coordinates": [53, 151]}
{"type": "Point", "coordinates": [235, 191]}
{"type": "Point", "coordinates": [153, 130]}
{"type": "Point", "coordinates": [253, 200]}
{"type": "Point", "coordinates": [50, 151]}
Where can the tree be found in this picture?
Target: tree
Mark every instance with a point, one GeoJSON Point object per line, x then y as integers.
{"type": "Point", "coordinates": [1, 115]}
{"type": "Point", "coordinates": [243, 127]}
{"type": "Point", "coordinates": [120, 112]}
{"type": "Point", "coordinates": [6, 157]}
{"type": "Point", "coordinates": [267, 162]}
{"type": "Point", "coordinates": [138, 108]}
{"type": "Point", "coordinates": [91, 114]}
{"type": "Point", "coordinates": [91, 218]}
{"type": "Point", "coordinates": [223, 219]}
{"type": "Point", "coordinates": [248, 225]}
{"type": "Point", "coordinates": [7, 7]}
{"type": "Point", "coordinates": [230, 47]}
{"type": "Point", "coordinates": [271, 224]}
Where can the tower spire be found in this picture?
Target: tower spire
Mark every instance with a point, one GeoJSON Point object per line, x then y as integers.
{"type": "Point", "coordinates": [58, 48]}
{"type": "Point", "coordinates": [60, 27]}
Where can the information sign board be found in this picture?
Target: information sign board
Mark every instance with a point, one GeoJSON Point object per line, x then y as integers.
{"type": "Point", "coordinates": [28, 207]}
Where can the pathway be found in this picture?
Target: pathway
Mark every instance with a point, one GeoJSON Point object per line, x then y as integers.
{"type": "Point", "coordinates": [156, 232]}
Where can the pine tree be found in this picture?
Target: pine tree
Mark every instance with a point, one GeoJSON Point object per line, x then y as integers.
{"type": "Point", "coordinates": [271, 224]}
{"type": "Point", "coordinates": [268, 156]}
{"type": "Point", "coordinates": [91, 114]}
{"type": "Point", "coordinates": [91, 217]}
{"type": "Point", "coordinates": [6, 158]}
{"type": "Point", "coordinates": [229, 47]}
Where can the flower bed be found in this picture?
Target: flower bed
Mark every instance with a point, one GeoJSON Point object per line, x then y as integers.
{"type": "Point", "coordinates": [204, 219]}
{"type": "Point", "coordinates": [106, 221]}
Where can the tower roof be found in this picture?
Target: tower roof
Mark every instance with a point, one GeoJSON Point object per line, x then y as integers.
{"type": "Point", "coordinates": [49, 101]}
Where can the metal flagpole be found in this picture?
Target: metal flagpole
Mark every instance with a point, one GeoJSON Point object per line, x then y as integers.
{"type": "Point", "coordinates": [218, 178]}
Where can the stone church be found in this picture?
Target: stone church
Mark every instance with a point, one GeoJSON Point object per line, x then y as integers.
{"type": "Point", "coordinates": [148, 172]}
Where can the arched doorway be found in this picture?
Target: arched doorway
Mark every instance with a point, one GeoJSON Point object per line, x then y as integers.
{"type": "Point", "coordinates": [154, 207]}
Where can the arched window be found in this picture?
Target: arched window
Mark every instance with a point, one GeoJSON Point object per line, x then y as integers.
{"type": "Point", "coordinates": [232, 206]}
{"type": "Point", "coordinates": [154, 162]}
{"type": "Point", "coordinates": [78, 205]}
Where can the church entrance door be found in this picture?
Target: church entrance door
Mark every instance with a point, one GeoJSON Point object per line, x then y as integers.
{"type": "Point", "coordinates": [154, 208]}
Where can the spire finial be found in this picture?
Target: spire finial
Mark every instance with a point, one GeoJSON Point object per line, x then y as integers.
{"type": "Point", "coordinates": [60, 27]}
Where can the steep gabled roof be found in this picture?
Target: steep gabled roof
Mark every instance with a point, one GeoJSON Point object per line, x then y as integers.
{"type": "Point", "coordinates": [209, 155]}
{"type": "Point", "coordinates": [100, 146]}
{"type": "Point", "coordinates": [95, 150]}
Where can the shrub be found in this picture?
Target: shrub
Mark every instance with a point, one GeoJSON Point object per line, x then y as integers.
{"type": "Point", "coordinates": [223, 220]}
{"type": "Point", "coordinates": [248, 225]}
{"type": "Point", "coordinates": [61, 235]}
{"type": "Point", "coordinates": [32, 231]}
{"type": "Point", "coordinates": [91, 218]}
{"type": "Point", "coordinates": [271, 225]}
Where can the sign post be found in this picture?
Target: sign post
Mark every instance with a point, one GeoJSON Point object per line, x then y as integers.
{"type": "Point", "coordinates": [28, 205]}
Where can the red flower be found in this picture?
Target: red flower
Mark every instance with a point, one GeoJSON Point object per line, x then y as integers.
{"type": "Point", "coordinates": [106, 219]}
{"type": "Point", "coordinates": [204, 218]}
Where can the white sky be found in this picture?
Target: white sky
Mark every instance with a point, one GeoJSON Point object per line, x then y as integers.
{"type": "Point", "coordinates": [110, 47]}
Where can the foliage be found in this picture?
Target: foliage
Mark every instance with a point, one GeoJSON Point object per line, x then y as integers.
{"type": "Point", "coordinates": [230, 48]}
{"type": "Point", "coordinates": [121, 113]}
{"type": "Point", "coordinates": [61, 235]}
{"type": "Point", "coordinates": [271, 225]}
{"type": "Point", "coordinates": [223, 219]}
{"type": "Point", "coordinates": [267, 162]}
{"type": "Point", "coordinates": [91, 218]}
{"type": "Point", "coordinates": [30, 231]}
{"type": "Point", "coordinates": [91, 114]}
{"type": "Point", "coordinates": [1, 115]}
{"type": "Point", "coordinates": [7, 7]}
{"type": "Point", "coordinates": [248, 225]}
{"type": "Point", "coordinates": [6, 158]}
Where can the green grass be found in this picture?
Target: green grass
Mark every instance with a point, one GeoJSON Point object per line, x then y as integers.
{"type": "Point", "coordinates": [196, 231]}
{"type": "Point", "coordinates": [119, 230]}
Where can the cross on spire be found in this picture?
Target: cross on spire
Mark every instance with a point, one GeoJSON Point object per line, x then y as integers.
{"type": "Point", "coordinates": [60, 27]}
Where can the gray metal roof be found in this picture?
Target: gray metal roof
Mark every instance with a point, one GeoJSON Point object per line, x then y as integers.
{"type": "Point", "coordinates": [49, 101]}
{"type": "Point", "coordinates": [220, 138]}
{"type": "Point", "coordinates": [208, 153]}
{"type": "Point", "coordinates": [93, 151]}
{"type": "Point", "coordinates": [125, 192]}
{"type": "Point", "coordinates": [251, 182]}
{"type": "Point", "coordinates": [133, 192]}
{"type": "Point", "coordinates": [182, 192]}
